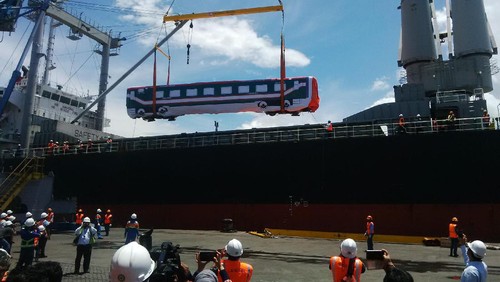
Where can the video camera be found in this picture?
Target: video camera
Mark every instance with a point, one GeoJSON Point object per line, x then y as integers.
{"type": "Point", "coordinates": [168, 263]}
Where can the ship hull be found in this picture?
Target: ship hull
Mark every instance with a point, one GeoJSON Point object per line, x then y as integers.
{"type": "Point", "coordinates": [412, 184]}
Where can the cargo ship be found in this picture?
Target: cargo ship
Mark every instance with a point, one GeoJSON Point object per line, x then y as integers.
{"type": "Point", "coordinates": [412, 177]}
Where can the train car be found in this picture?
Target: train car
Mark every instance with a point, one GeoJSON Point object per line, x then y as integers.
{"type": "Point", "coordinates": [261, 96]}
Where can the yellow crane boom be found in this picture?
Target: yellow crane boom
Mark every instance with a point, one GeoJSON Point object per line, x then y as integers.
{"type": "Point", "coordinates": [223, 13]}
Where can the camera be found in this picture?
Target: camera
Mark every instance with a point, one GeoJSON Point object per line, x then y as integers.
{"type": "Point", "coordinates": [168, 263]}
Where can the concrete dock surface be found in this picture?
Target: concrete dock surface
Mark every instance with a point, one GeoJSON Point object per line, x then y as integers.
{"type": "Point", "coordinates": [273, 259]}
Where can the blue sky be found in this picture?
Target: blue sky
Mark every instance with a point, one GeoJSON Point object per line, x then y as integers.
{"type": "Point", "coordinates": [351, 47]}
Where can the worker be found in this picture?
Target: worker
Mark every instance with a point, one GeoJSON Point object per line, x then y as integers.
{"type": "Point", "coordinates": [28, 236]}
{"type": "Point", "coordinates": [454, 234]}
{"type": "Point", "coordinates": [346, 266]}
{"type": "Point", "coordinates": [401, 124]}
{"type": "Point", "coordinates": [79, 217]}
{"type": "Point", "coordinates": [98, 223]}
{"type": "Point", "coordinates": [131, 262]}
{"type": "Point", "coordinates": [370, 232]}
{"type": "Point", "coordinates": [131, 229]}
{"type": "Point", "coordinates": [108, 220]}
{"type": "Point", "coordinates": [50, 219]}
{"type": "Point", "coordinates": [237, 270]}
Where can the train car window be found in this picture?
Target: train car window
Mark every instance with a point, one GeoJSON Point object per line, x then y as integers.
{"type": "Point", "coordinates": [226, 90]}
{"type": "Point", "coordinates": [277, 87]}
{"type": "Point", "coordinates": [191, 92]}
{"type": "Point", "coordinates": [160, 94]}
{"type": "Point", "coordinates": [243, 89]}
{"type": "Point", "coordinates": [261, 88]}
{"type": "Point", "coordinates": [208, 91]}
{"type": "Point", "coordinates": [175, 93]}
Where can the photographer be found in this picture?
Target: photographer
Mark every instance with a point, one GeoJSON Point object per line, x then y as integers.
{"type": "Point", "coordinates": [169, 266]}
{"type": "Point", "coordinates": [392, 273]}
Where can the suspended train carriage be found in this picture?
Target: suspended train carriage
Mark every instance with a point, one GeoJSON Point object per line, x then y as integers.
{"type": "Point", "coordinates": [260, 96]}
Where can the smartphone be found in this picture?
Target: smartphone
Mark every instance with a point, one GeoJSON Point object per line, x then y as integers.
{"type": "Point", "coordinates": [207, 256]}
{"type": "Point", "coordinates": [374, 259]}
{"type": "Point", "coordinates": [374, 255]}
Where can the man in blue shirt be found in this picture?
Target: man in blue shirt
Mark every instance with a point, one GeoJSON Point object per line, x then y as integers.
{"type": "Point", "coordinates": [476, 269]}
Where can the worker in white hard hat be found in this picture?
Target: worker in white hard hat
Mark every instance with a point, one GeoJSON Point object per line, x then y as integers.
{"type": "Point", "coordinates": [98, 222]}
{"type": "Point", "coordinates": [340, 265]}
{"type": "Point", "coordinates": [131, 229]}
{"type": "Point", "coordinates": [475, 268]}
{"type": "Point", "coordinates": [42, 242]}
{"type": "Point", "coordinates": [28, 235]}
{"type": "Point", "coordinates": [131, 262]}
{"type": "Point", "coordinates": [236, 269]}
{"type": "Point", "coordinates": [85, 237]}
{"type": "Point", "coordinates": [7, 233]}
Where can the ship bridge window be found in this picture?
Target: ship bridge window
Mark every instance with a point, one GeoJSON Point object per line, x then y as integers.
{"type": "Point", "coordinates": [65, 100]}
{"type": "Point", "coordinates": [261, 88]}
{"type": "Point", "coordinates": [191, 92]}
{"type": "Point", "coordinates": [226, 90]}
{"type": "Point", "coordinates": [55, 97]}
{"type": "Point", "coordinates": [243, 89]}
{"type": "Point", "coordinates": [175, 93]}
{"type": "Point", "coordinates": [82, 105]}
{"type": "Point", "coordinates": [46, 94]}
{"type": "Point", "coordinates": [208, 91]}
{"type": "Point", "coordinates": [74, 103]}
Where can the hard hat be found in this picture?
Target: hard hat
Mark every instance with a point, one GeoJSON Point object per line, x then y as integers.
{"type": "Point", "coordinates": [8, 223]}
{"type": "Point", "coordinates": [99, 210]}
{"type": "Point", "coordinates": [4, 259]}
{"type": "Point", "coordinates": [28, 214]}
{"type": "Point", "coordinates": [9, 212]}
{"type": "Point", "coordinates": [369, 217]}
{"type": "Point", "coordinates": [2, 215]}
{"type": "Point", "coordinates": [400, 115]}
{"type": "Point", "coordinates": [418, 115]}
{"type": "Point", "coordinates": [348, 248]}
{"type": "Point", "coordinates": [80, 210]}
{"type": "Point", "coordinates": [86, 219]}
{"type": "Point", "coordinates": [108, 211]}
{"type": "Point", "coordinates": [41, 227]}
{"type": "Point", "coordinates": [454, 219]}
{"type": "Point", "coordinates": [478, 248]}
{"type": "Point", "coordinates": [133, 216]}
{"type": "Point", "coordinates": [234, 248]}
{"type": "Point", "coordinates": [11, 218]}
{"type": "Point", "coordinates": [43, 215]}
{"type": "Point", "coordinates": [131, 262]}
{"type": "Point", "coordinates": [29, 222]}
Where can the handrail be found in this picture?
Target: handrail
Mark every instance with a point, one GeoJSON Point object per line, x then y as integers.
{"type": "Point", "coordinates": [266, 135]}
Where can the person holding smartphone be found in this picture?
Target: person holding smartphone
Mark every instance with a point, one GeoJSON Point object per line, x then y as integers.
{"type": "Point", "coordinates": [392, 273]}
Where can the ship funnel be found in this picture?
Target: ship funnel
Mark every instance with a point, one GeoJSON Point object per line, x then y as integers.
{"type": "Point", "coordinates": [417, 36]}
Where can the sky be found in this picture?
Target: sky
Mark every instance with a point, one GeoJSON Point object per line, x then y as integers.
{"type": "Point", "coordinates": [351, 47]}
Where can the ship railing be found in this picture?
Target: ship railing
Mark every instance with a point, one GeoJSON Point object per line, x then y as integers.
{"type": "Point", "coordinates": [265, 135]}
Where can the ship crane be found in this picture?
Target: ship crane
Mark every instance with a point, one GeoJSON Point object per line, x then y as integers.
{"type": "Point", "coordinates": [180, 20]}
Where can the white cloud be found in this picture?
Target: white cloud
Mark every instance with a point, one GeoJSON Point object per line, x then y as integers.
{"type": "Point", "coordinates": [381, 84]}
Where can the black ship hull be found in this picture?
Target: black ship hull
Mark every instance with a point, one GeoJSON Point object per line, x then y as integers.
{"type": "Point", "coordinates": [411, 184]}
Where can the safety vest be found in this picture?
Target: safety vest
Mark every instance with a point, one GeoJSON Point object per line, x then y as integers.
{"type": "Point", "coordinates": [29, 243]}
{"type": "Point", "coordinates": [340, 265]}
{"type": "Point", "coordinates": [238, 271]}
{"type": "Point", "coordinates": [453, 233]}
{"type": "Point", "coordinates": [401, 121]}
{"type": "Point", "coordinates": [50, 217]}
{"type": "Point", "coordinates": [368, 229]}
{"type": "Point", "coordinates": [79, 218]}
{"type": "Point", "coordinates": [107, 218]}
{"type": "Point", "coordinates": [5, 275]}
{"type": "Point", "coordinates": [329, 127]}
